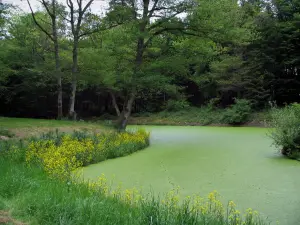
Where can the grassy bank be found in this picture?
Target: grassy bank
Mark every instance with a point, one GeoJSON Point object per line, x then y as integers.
{"type": "Point", "coordinates": [24, 127]}
{"type": "Point", "coordinates": [29, 195]}
{"type": "Point", "coordinates": [43, 190]}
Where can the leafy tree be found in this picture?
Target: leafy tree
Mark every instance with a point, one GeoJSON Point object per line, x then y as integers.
{"type": "Point", "coordinates": [78, 13]}
{"type": "Point", "coordinates": [140, 14]}
{"type": "Point", "coordinates": [52, 10]}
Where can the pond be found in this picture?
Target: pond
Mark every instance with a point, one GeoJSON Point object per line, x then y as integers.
{"type": "Point", "coordinates": [240, 163]}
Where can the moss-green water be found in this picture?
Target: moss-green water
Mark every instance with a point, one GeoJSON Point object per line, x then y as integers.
{"type": "Point", "coordinates": [240, 163]}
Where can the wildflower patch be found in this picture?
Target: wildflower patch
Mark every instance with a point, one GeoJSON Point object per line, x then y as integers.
{"type": "Point", "coordinates": [60, 156]}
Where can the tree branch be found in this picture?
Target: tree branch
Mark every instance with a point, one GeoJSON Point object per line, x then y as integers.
{"type": "Point", "coordinates": [182, 30]}
{"type": "Point", "coordinates": [65, 18]}
{"type": "Point", "coordinates": [153, 8]}
{"type": "Point", "coordinates": [71, 7]}
{"type": "Point", "coordinates": [45, 4]}
{"type": "Point", "coordinates": [87, 6]}
{"type": "Point", "coordinates": [37, 23]}
{"type": "Point", "coordinates": [133, 9]}
{"type": "Point", "coordinates": [157, 24]}
{"type": "Point", "coordinates": [97, 30]}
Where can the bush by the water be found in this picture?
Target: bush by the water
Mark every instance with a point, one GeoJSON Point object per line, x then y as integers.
{"type": "Point", "coordinates": [286, 132]}
{"type": "Point", "coordinates": [238, 113]}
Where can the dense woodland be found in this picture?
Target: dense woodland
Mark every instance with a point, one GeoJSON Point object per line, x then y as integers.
{"type": "Point", "coordinates": [147, 56]}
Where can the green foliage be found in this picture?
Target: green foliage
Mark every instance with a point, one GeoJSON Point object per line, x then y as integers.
{"type": "Point", "coordinates": [176, 105]}
{"type": "Point", "coordinates": [238, 113]}
{"type": "Point", "coordinates": [187, 116]}
{"type": "Point", "coordinates": [285, 123]}
{"type": "Point", "coordinates": [218, 49]}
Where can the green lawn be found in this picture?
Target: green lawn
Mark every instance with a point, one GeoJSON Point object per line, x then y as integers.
{"type": "Point", "coordinates": [240, 163]}
{"type": "Point", "coordinates": [23, 127]}
{"type": "Point", "coordinates": [6, 122]}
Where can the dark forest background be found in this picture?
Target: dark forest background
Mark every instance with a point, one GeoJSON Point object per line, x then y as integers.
{"type": "Point", "coordinates": [158, 58]}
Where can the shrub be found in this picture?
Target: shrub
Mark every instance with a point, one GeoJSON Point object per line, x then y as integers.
{"type": "Point", "coordinates": [176, 105]}
{"type": "Point", "coordinates": [238, 113]}
{"type": "Point", "coordinates": [213, 103]}
{"type": "Point", "coordinates": [286, 132]}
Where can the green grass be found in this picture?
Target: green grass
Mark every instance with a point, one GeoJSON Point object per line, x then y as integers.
{"type": "Point", "coordinates": [23, 127]}
{"type": "Point", "coordinates": [32, 197]}
{"type": "Point", "coordinates": [240, 163]}
{"type": "Point", "coordinates": [6, 122]}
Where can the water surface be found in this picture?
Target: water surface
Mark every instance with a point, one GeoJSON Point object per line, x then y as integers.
{"type": "Point", "coordinates": [239, 163]}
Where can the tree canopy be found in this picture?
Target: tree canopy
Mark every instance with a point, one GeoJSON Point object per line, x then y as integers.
{"type": "Point", "coordinates": [143, 53]}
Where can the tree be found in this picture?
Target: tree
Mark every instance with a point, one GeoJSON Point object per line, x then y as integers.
{"type": "Point", "coordinates": [77, 16]}
{"type": "Point", "coordinates": [26, 81]}
{"type": "Point", "coordinates": [52, 11]}
{"type": "Point", "coordinates": [272, 64]}
{"type": "Point", "coordinates": [140, 14]}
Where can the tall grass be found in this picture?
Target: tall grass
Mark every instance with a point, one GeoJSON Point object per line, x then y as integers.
{"type": "Point", "coordinates": [35, 198]}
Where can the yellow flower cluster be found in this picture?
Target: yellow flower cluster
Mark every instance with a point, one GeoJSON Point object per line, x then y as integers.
{"type": "Point", "coordinates": [59, 160]}
{"type": "Point", "coordinates": [210, 207]}
{"type": "Point", "coordinates": [140, 136]}
{"type": "Point", "coordinates": [128, 196]}
{"type": "Point", "coordinates": [172, 198]}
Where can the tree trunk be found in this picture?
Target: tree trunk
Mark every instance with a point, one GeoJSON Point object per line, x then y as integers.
{"type": "Point", "coordinates": [54, 39]}
{"type": "Point", "coordinates": [57, 62]}
{"type": "Point", "coordinates": [72, 112]}
{"type": "Point", "coordinates": [59, 98]}
{"type": "Point", "coordinates": [114, 102]}
{"type": "Point", "coordinates": [124, 116]}
{"type": "Point", "coordinates": [58, 74]}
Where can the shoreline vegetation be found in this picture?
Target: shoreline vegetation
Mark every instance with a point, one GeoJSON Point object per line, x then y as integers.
{"type": "Point", "coordinates": [38, 186]}
{"type": "Point", "coordinates": [25, 127]}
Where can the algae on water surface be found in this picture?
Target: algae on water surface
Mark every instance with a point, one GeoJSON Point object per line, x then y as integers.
{"type": "Point", "coordinates": [240, 163]}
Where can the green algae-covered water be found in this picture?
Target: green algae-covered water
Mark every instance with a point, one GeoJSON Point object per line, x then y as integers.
{"type": "Point", "coordinates": [239, 163]}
